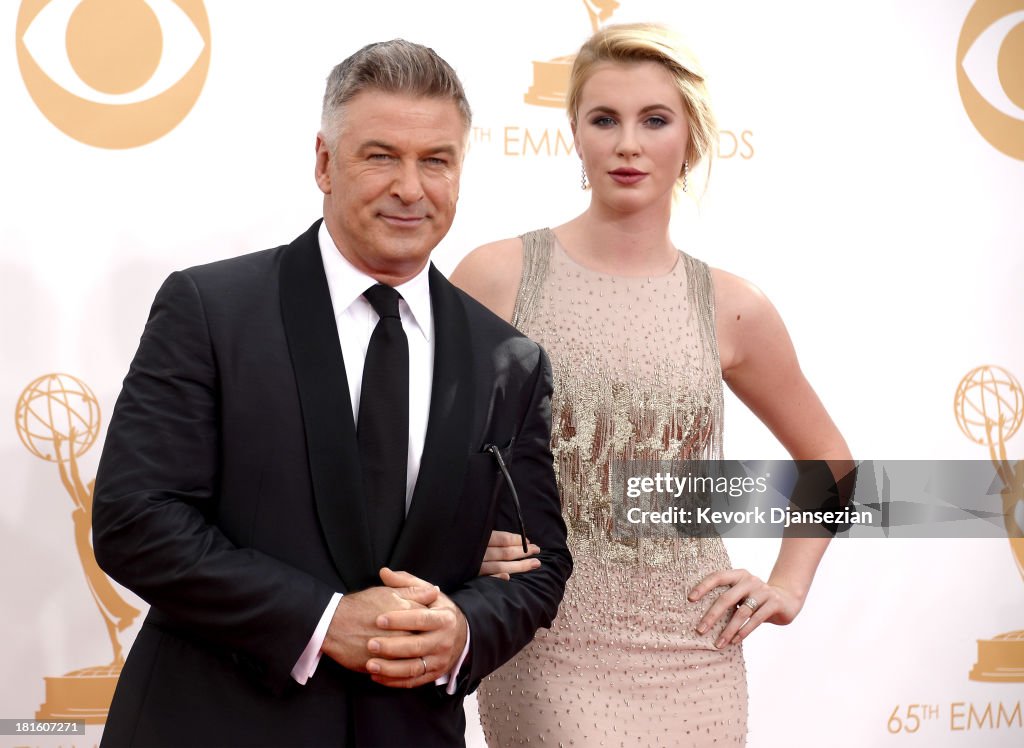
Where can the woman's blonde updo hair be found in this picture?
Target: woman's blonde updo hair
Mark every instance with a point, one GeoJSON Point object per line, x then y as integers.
{"type": "Point", "coordinates": [649, 42]}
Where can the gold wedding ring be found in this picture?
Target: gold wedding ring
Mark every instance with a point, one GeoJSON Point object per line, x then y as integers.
{"type": "Point", "coordinates": [424, 666]}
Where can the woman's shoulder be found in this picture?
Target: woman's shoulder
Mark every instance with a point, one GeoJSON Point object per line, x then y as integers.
{"type": "Point", "coordinates": [502, 251]}
{"type": "Point", "coordinates": [490, 274]}
{"type": "Point", "coordinates": [745, 319]}
{"type": "Point", "coordinates": [736, 294]}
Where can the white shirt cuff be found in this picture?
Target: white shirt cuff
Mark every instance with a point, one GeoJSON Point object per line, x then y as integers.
{"type": "Point", "coordinates": [449, 679]}
{"type": "Point", "coordinates": [310, 656]}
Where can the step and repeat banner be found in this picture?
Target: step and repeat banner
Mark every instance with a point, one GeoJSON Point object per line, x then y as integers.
{"type": "Point", "coordinates": [869, 178]}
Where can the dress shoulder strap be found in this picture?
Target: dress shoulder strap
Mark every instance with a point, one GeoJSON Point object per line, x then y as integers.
{"type": "Point", "coordinates": [701, 290]}
{"type": "Point", "coordinates": [537, 247]}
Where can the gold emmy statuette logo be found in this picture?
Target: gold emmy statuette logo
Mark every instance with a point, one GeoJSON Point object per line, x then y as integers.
{"type": "Point", "coordinates": [113, 73]}
{"type": "Point", "coordinates": [58, 420]}
{"type": "Point", "coordinates": [989, 408]}
{"type": "Point", "coordinates": [551, 77]}
{"type": "Point", "coordinates": [990, 72]}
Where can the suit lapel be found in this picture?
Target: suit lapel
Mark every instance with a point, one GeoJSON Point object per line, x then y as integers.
{"type": "Point", "coordinates": [449, 431]}
{"type": "Point", "coordinates": [312, 334]}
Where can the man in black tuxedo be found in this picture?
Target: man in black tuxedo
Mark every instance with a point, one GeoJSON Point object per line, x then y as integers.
{"type": "Point", "coordinates": [291, 429]}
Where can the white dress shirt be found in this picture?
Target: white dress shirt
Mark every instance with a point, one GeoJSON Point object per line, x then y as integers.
{"type": "Point", "coordinates": [356, 320]}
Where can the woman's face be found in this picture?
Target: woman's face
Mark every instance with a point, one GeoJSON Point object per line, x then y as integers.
{"type": "Point", "coordinates": [631, 132]}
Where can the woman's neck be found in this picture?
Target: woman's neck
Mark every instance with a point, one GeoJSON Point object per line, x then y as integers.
{"type": "Point", "coordinates": [635, 243]}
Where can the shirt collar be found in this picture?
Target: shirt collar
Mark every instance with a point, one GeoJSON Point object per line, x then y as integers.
{"type": "Point", "coordinates": [347, 283]}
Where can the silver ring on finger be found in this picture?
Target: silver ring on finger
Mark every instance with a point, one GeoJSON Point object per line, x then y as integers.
{"type": "Point", "coordinates": [751, 603]}
{"type": "Point", "coordinates": [424, 666]}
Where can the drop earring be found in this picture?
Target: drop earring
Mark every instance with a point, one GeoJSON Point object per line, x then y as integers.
{"type": "Point", "coordinates": [686, 172]}
{"type": "Point", "coordinates": [584, 182]}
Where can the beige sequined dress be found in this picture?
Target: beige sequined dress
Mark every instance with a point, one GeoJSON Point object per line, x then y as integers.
{"type": "Point", "coordinates": [636, 376]}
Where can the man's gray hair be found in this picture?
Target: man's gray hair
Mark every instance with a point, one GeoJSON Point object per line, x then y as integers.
{"type": "Point", "coordinates": [396, 66]}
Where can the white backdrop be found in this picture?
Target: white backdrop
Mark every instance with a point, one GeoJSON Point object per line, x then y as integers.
{"type": "Point", "coordinates": [857, 193]}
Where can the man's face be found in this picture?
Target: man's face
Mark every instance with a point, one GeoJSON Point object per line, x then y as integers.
{"type": "Point", "coordinates": [391, 181]}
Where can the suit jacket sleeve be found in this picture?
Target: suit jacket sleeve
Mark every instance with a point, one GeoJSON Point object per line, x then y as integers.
{"type": "Point", "coordinates": [155, 509]}
{"type": "Point", "coordinates": [504, 615]}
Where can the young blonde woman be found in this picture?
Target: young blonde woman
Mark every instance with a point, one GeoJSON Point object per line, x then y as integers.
{"type": "Point", "coordinates": [646, 646]}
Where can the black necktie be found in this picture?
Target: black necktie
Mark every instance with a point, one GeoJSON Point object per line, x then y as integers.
{"type": "Point", "coordinates": [383, 426]}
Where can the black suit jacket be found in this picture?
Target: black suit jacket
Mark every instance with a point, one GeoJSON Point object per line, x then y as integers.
{"type": "Point", "coordinates": [229, 497]}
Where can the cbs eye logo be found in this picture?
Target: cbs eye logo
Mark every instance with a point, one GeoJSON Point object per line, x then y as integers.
{"type": "Point", "coordinates": [114, 73]}
{"type": "Point", "coordinates": [990, 72]}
